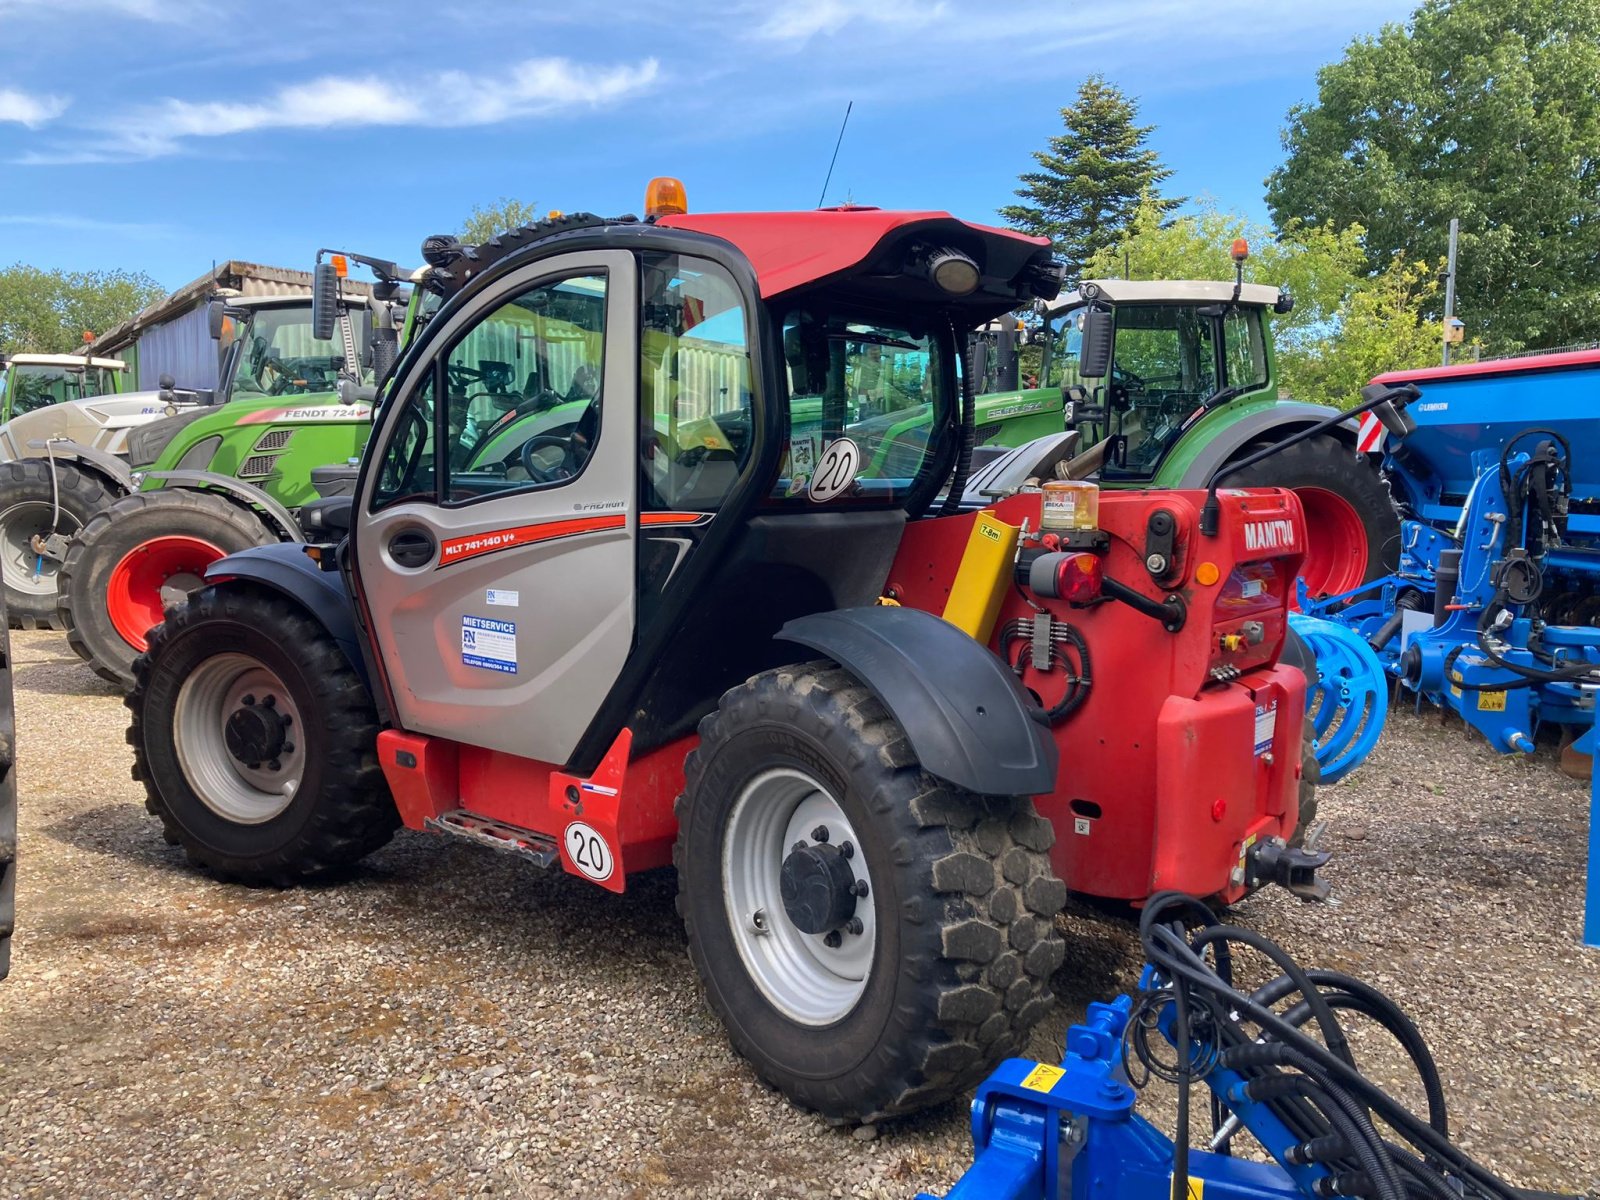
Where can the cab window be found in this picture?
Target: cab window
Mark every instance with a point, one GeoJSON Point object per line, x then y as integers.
{"type": "Point", "coordinates": [863, 401]}
{"type": "Point", "coordinates": [694, 384]}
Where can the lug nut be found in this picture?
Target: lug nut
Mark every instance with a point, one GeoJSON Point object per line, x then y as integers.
{"type": "Point", "coordinates": [274, 765]}
{"type": "Point", "coordinates": [820, 833]}
{"type": "Point", "coordinates": [831, 939]}
{"type": "Point", "coordinates": [247, 699]}
{"type": "Point", "coordinates": [859, 888]}
{"type": "Point", "coordinates": [288, 748]}
{"type": "Point", "coordinates": [800, 845]}
{"type": "Point", "coordinates": [287, 720]}
{"type": "Point", "coordinates": [854, 925]}
{"type": "Point", "coordinates": [255, 766]}
{"type": "Point", "coordinates": [271, 702]}
{"type": "Point", "coordinates": [847, 849]}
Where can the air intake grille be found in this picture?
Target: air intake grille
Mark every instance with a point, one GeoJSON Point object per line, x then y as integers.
{"type": "Point", "coordinates": [274, 439]}
{"type": "Point", "coordinates": [257, 465]}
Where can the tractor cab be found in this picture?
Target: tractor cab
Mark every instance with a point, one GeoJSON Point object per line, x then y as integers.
{"type": "Point", "coordinates": [33, 381]}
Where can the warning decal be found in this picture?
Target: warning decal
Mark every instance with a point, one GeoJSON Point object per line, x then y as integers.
{"type": "Point", "coordinates": [489, 644]}
{"type": "Point", "coordinates": [1042, 1078]}
{"type": "Point", "coordinates": [1266, 726]}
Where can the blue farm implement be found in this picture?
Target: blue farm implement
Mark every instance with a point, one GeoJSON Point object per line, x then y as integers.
{"type": "Point", "coordinates": [1494, 611]}
{"type": "Point", "coordinates": [1346, 701]}
{"type": "Point", "coordinates": [1069, 1132]}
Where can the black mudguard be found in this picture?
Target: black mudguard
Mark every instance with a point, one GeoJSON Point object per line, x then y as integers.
{"type": "Point", "coordinates": [1266, 425]}
{"type": "Point", "coordinates": [969, 720]}
{"type": "Point", "coordinates": [285, 568]}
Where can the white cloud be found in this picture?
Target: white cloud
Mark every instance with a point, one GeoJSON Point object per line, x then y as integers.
{"type": "Point", "coordinates": [73, 224]}
{"type": "Point", "coordinates": [24, 108]}
{"type": "Point", "coordinates": [799, 23]}
{"type": "Point", "coordinates": [531, 88]}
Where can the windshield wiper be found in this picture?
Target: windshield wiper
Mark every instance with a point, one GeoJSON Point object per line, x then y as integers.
{"type": "Point", "coordinates": [874, 339]}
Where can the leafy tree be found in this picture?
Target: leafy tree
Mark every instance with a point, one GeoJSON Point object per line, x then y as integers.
{"type": "Point", "coordinates": [504, 215]}
{"type": "Point", "coordinates": [48, 312]}
{"type": "Point", "coordinates": [1485, 110]}
{"type": "Point", "coordinates": [1346, 325]}
{"type": "Point", "coordinates": [1090, 178]}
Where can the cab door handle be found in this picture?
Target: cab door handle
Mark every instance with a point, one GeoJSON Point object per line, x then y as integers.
{"type": "Point", "coordinates": [411, 548]}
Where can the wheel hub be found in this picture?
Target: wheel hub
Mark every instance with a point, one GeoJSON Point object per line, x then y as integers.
{"type": "Point", "coordinates": [255, 733]}
{"type": "Point", "coordinates": [818, 887]}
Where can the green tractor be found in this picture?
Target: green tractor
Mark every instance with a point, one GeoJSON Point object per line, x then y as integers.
{"type": "Point", "coordinates": [1191, 389]}
{"type": "Point", "coordinates": [217, 478]}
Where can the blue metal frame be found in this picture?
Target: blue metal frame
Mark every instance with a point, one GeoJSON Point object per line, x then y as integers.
{"type": "Point", "coordinates": [1070, 1132]}
{"type": "Point", "coordinates": [1349, 702]}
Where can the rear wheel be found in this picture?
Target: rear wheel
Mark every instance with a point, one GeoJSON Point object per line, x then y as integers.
{"type": "Point", "coordinates": [873, 940]}
{"type": "Point", "coordinates": [256, 741]}
{"type": "Point", "coordinates": [132, 562]}
{"type": "Point", "coordinates": [1352, 529]}
{"type": "Point", "coordinates": [32, 507]}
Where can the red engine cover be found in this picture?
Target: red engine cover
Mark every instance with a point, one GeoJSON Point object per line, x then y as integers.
{"type": "Point", "coordinates": [1187, 748]}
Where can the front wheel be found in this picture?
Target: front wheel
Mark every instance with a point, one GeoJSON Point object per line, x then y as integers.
{"type": "Point", "coordinates": [132, 562]}
{"type": "Point", "coordinates": [873, 940]}
{"type": "Point", "coordinates": [256, 741]}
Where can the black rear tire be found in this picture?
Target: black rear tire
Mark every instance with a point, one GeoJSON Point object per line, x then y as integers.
{"type": "Point", "coordinates": [342, 809]}
{"type": "Point", "coordinates": [1326, 464]}
{"type": "Point", "coordinates": [27, 504]}
{"type": "Point", "coordinates": [133, 522]}
{"type": "Point", "coordinates": [1310, 780]}
{"type": "Point", "coordinates": [964, 902]}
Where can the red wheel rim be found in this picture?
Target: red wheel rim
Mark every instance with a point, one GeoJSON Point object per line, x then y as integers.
{"type": "Point", "coordinates": [133, 597]}
{"type": "Point", "coordinates": [1336, 549]}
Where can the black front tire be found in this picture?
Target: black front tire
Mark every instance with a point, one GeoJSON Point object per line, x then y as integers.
{"type": "Point", "coordinates": [116, 533]}
{"type": "Point", "coordinates": [29, 498]}
{"type": "Point", "coordinates": [341, 811]}
{"type": "Point", "coordinates": [965, 903]}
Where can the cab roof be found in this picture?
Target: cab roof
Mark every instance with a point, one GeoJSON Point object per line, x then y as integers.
{"type": "Point", "coordinates": [61, 360]}
{"type": "Point", "coordinates": [791, 250]}
{"type": "Point", "coordinates": [1169, 291]}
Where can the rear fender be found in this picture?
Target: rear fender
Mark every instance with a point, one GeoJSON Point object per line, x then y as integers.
{"type": "Point", "coordinates": [109, 467]}
{"type": "Point", "coordinates": [968, 719]}
{"type": "Point", "coordinates": [277, 516]}
{"type": "Point", "coordinates": [1260, 425]}
{"type": "Point", "coordinates": [286, 569]}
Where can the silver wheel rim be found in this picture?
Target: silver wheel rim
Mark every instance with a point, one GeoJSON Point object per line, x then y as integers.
{"type": "Point", "coordinates": [235, 791]}
{"type": "Point", "coordinates": [23, 569]}
{"type": "Point", "coordinates": [804, 978]}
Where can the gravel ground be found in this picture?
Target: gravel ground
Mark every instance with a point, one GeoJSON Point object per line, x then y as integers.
{"type": "Point", "coordinates": [451, 1022]}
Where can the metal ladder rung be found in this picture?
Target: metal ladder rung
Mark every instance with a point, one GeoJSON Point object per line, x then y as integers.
{"type": "Point", "coordinates": [497, 835]}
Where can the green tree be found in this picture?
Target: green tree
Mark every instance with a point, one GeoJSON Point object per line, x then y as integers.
{"type": "Point", "coordinates": [504, 215]}
{"type": "Point", "coordinates": [1346, 325]}
{"type": "Point", "coordinates": [48, 312]}
{"type": "Point", "coordinates": [1091, 177]}
{"type": "Point", "coordinates": [1485, 110]}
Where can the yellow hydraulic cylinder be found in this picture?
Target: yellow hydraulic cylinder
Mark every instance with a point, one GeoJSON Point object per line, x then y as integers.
{"type": "Point", "coordinates": [981, 579]}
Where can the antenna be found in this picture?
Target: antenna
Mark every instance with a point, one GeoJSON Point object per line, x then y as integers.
{"type": "Point", "coordinates": [829, 179]}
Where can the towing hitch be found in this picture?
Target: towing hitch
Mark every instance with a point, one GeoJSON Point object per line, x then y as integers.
{"type": "Point", "coordinates": [1293, 867]}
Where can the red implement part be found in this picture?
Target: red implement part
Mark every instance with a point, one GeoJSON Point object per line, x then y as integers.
{"type": "Point", "coordinates": [133, 595]}
{"type": "Point", "coordinates": [1164, 781]}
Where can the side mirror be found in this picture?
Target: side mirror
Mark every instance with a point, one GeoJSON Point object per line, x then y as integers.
{"type": "Point", "coordinates": [1094, 356]}
{"type": "Point", "coordinates": [324, 301]}
{"type": "Point", "coordinates": [1391, 412]}
{"type": "Point", "coordinates": [216, 318]}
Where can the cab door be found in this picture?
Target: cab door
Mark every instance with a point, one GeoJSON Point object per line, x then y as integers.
{"type": "Point", "coordinates": [497, 569]}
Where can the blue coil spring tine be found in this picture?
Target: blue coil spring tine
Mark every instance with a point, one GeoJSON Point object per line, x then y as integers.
{"type": "Point", "coordinates": [1349, 704]}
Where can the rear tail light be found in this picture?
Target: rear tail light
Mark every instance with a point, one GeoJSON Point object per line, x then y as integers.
{"type": "Point", "coordinates": [1075, 578]}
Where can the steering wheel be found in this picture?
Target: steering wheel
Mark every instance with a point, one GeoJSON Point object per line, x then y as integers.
{"type": "Point", "coordinates": [543, 474]}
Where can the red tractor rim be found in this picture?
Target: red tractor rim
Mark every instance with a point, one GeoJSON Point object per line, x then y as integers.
{"type": "Point", "coordinates": [133, 597]}
{"type": "Point", "coordinates": [1336, 550]}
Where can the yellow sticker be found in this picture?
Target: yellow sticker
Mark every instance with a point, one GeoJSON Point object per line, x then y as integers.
{"type": "Point", "coordinates": [1491, 702]}
{"type": "Point", "coordinates": [1197, 1188]}
{"type": "Point", "coordinates": [990, 532]}
{"type": "Point", "coordinates": [1455, 691]}
{"type": "Point", "coordinates": [1043, 1077]}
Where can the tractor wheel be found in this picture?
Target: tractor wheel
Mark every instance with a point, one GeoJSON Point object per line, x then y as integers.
{"type": "Point", "coordinates": [1310, 780]}
{"type": "Point", "coordinates": [1352, 528]}
{"type": "Point", "coordinates": [873, 940]}
{"type": "Point", "coordinates": [133, 561]}
{"type": "Point", "coordinates": [31, 506]}
{"type": "Point", "coordinates": [256, 741]}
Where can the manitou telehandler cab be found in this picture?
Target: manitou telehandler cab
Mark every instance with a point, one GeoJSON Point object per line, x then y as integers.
{"type": "Point", "coordinates": [878, 733]}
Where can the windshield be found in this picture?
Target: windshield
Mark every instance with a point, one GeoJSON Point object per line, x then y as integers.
{"type": "Point", "coordinates": [863, 399]}
{"type": "Point", "coordinates": [1166, 364]}
{"type": "Point", "coordinates": [281, 358]}
{"type": "Point", "coordinates": [37, 385]}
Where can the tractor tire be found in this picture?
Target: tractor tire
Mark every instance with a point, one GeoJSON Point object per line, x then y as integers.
{"type": "Point", "coordinates": [949, 966]}
{"type": "Point", "coordinates": [27, 504]}
{"type": "Point", "coordinates": [1353, 530]}
{"type": "Point", "coordinates": [236, 672]}
{"type": "Point", "coordinates": [1310, 780]}
{"type": "Point", "coordinates": [142, 555]}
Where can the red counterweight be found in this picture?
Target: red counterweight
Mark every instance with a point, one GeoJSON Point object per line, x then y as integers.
{"type": "Point", "coordinates": [1180, 733]}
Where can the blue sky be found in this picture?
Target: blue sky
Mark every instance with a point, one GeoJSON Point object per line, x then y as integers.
{"type": "Point", "coordinates": [158, 135]}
